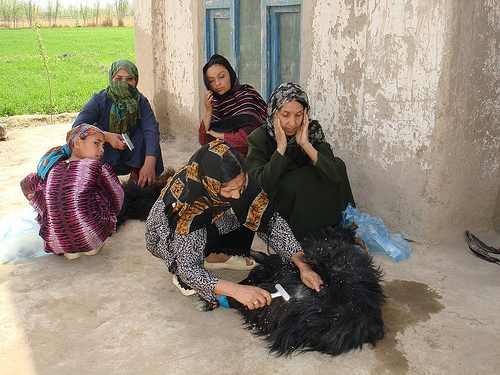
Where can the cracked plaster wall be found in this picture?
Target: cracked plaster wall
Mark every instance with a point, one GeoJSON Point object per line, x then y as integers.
{"type": "Point", "coordinates": [170, 52]}
{"type": "Point", "coordinates": [407, 92]}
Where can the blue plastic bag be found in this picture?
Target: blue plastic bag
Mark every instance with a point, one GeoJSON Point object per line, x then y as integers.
{"type": "Point", "coordinates": [372, 230]}
{"type": "Point", "coordinates": [19, 238]}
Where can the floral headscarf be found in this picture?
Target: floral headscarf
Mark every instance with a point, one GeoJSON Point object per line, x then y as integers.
{"type": "Point", "coordinates": [63, 152]}
{"type": "Point", "coordinates": [125, 108]}
{"type": "Point", "coordinates": [192, 196]}
{"type": "Point", "coordinates": [285, 93]}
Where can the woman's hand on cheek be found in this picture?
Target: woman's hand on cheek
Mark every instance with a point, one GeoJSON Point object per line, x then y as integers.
{"type": "Point", "coordinates": [302, 135]}
{"type": "Point", "coordinates": [207, 101]}
{"type": "Point", "coordinates": [280, 135]}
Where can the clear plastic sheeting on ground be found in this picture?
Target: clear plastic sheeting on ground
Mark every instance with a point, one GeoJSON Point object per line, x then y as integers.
{"type": "Point", "coordinates": [372, 230]}
{"type": "Point", "coordinates": [19, 238]}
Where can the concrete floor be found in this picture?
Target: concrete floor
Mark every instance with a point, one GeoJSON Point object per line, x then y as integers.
{"type": "Point", "coordinates": [118, 313]}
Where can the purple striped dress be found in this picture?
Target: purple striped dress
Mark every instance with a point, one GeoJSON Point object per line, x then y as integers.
{"type": "Point", "coordinates": [77, 204]}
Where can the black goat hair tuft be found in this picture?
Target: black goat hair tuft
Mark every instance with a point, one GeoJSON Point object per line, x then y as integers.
{"type": "Point", "coordinates": [138, 202]}
{"type": "Point", "coordinates": [344, 316]}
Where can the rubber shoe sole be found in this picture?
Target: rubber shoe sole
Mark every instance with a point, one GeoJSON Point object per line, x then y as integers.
{"type": "Point", "coordinates": [184, 291]}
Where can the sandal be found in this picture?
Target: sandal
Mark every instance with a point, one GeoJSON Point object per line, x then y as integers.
{"type": "Point", "coordinates": [72, 255]}
{"type": "Point", "coordinates": [95, 251]}
{"type": "Point", "coordinates": [182, 286]}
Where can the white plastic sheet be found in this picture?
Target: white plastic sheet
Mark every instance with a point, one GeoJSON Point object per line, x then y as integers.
{"type": "Point", "coordinates": [19, 238]}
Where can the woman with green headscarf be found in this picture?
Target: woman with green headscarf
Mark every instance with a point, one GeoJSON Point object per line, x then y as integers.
{"type": "Point", "coordinates": [122, 109]}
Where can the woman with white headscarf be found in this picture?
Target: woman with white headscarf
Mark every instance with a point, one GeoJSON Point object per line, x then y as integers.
{"type": "Point", "coordinates": [290, 158]}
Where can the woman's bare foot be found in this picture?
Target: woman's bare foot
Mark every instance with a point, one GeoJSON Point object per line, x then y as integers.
{"type": "Point", "coordinates": [221, 258]}
{"type": "Point", "coordinates": [217, 258]}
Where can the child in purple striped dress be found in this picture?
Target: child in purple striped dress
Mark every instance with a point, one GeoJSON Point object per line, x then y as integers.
{"type": "Point", "coordinates": [76, 196]}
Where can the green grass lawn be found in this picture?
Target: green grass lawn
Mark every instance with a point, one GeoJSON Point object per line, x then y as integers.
{"type": "Point", "coordinates": [79, 61]}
